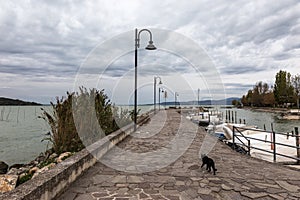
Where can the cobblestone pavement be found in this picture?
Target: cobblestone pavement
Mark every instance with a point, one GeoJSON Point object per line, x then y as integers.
{"type": "Point", "coordinates": [238, 176]}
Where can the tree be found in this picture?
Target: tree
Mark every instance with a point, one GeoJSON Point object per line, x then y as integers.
{"type": "Point", "coordinates": [260, 95]}
{"type": "Point", "coordinates": [283, 89]}
{"type": "Point", "coordinates": [296, 85]}
{"type": "Point", "coordinates": [244, 101]}
{"type": "Point", "coordinates": [269, 99]}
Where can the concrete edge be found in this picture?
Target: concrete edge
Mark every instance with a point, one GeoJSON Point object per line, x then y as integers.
{"type": "Point", "coordinates": [49, 184]}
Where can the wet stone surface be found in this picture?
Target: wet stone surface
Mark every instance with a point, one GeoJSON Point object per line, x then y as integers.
{"type": "Point", "coordinates": [238, 176]}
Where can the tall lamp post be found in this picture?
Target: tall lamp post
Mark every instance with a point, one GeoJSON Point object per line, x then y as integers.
{"type": "Point", "coordinates": [159, 91]}
{"type": "Point", "coordinates": [165, 95]}
{"type": "Point", "coordinates": [150, 46]}
{"type": "Point", "coordinates": [198, 97]}
{"type": "Point", "coordinates": [154, 98]}
{"type": "Point", "coordinates": [176, 95]}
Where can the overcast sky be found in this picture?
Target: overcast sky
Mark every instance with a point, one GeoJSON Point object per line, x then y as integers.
{"type": "Point", "coordinates": [45, 44]}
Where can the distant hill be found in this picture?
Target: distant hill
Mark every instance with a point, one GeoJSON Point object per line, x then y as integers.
{"type": "Point", "coordinates": [16, 102]}
{"type": "Point", "coordinates": [227, 101]}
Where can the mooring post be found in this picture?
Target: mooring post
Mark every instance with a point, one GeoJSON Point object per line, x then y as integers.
{"type": "Point", "coordinates": [297, 144]}
{"type": "Point", "coordinates": [235, 120]}
{"type": "Point", "coordinates": [249, 147]}
{"type": "Point", "coordinates": [274, 145]}
{"type": "Point", "coordinates": [240, 121]}
{"type": "Point", "coordinates": [233, 134]}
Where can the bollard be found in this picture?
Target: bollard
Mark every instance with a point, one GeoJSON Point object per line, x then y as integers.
{"type": "Point", "coordinates": [240, 121]}
{"type": "Point", "coordinates": [264, 127]}
{"type": "Point", "coordinates": [244, 121]}
{"type": "Point", "coordinates": [297, 144]}
{"type": "Point", "coordinates": [235, 120]}
{"type": "Point", "coordinates": [266, 137]}
{"type": "Point", "coordinates": [233, 135]}
{"type": "Point", "coordinates": [274, 147]}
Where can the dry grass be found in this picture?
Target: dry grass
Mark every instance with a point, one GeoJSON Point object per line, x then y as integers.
{"type": "Point", "coordinates": [82, 118]}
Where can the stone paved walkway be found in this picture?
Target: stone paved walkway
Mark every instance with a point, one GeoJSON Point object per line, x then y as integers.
{"type": "Point", "coordinates": [238, 176]}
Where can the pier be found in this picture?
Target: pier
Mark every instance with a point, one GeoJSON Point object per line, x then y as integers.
{"type": "Point", "coordinates": [238, 176]}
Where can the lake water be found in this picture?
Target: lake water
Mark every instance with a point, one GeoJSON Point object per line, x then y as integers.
{"type": "Point", "coordinates": [21, 131]}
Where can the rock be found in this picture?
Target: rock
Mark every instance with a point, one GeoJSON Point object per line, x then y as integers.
{"type": "Point", "coordinates": [51, 165]}
{"type": "Point", "coordinates": [40, 158]}
{"type": "Point", "coordinates": [22, 175]}
{"type": "Point", "coordinates": [40, 171]}
{"type": "Point", "coordinates": [16, 166]}
{"type": "Point", "coordinates": [8, 182]}
{"type": "Point", "coordinates": [3, 167]}
{"type": "Point", "coordinates": [33, 163]}
{"type": "Point", "coordinates": [48, 153]}
{"type": "Point", "coordinates": [62, 156]}
{"type": "Point", "coordinates": [52, 156]}
{"type": "Point", "coordinates": [15, 171]}
{"type": "Point", "coordinates": [12, 171]}
{"type": "Point", "coordinates": [33, 170]}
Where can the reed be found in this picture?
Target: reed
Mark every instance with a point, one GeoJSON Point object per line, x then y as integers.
{"type": "Point", "coordinates": [69, 133]}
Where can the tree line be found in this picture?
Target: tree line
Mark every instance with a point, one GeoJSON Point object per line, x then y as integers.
{"type": "Point", "coordinates": [284, 93]}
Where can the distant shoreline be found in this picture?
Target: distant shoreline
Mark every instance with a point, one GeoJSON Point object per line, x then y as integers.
{"type": "Point", "coordinates": [266, 109]}
{"type": "Point", "coordinates": [16, 102]}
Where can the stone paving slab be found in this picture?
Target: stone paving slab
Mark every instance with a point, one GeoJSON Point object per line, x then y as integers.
{"type": "Point", "coordinates": [238, 176]}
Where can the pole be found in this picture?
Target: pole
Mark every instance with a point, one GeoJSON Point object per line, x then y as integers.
{"type": "Point", "coordinates": [135, 80]}
{"type": "Point", "coordinates": [158, 98]}
{"type": "Point", "coordinates": [274, 147]}
{"type": "Point", "coordinates": [235, 120]}
{"type": "Point", "coordinates": [175, 100]}
{"type": "Point", "coordinates": [297, 144]}
{"type": "Point", "coordinates": [165, 100]}
{"type": "Point", "coordinates": [198, 96]}
{"type": "Point", "coordinates": [154, 95]}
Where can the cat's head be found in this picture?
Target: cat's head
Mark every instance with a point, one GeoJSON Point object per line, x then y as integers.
{"type": "Point", "coordinates": [203, 155]}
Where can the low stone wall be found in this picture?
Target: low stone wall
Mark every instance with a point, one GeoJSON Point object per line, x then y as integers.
{"type": "Point", "coordinates": [49, 184]}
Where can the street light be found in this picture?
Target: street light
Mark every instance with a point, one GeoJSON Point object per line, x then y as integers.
{"type": "Point", "coordinates": [154, 99]}
{"type": "Point", "coordinates": [165, 95]}
{"type": "Point", "coordinates": [150, 46]}
{"type": "Point", "coordinates": [198, 97]}
{"type": "Point", "coordinates": [159, 91]}
{"type": "Point", "coordinates": [176, 95]}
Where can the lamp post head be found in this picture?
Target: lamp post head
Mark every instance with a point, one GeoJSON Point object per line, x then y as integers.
{"type": "Point", "coordinates": [160, 83]}
{"type": "Point", "coordinates": [150, 46]}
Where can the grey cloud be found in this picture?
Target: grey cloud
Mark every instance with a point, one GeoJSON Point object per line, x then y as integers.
{"type": "Point", "coordinates": [53, 38]}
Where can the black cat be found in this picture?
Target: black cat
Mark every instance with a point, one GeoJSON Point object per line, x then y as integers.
{"type": "Point", "coordinates": [209, 164]}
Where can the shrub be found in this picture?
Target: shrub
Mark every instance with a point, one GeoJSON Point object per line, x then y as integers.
{"type": "Point", "coordinates": [82, 118]}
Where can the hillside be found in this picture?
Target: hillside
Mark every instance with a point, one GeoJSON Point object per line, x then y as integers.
{"type": "Point", "coordinates": [16, 102]}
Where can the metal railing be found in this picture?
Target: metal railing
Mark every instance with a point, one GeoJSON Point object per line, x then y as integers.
{"type": "Point", "coordinates": [237, 134]}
